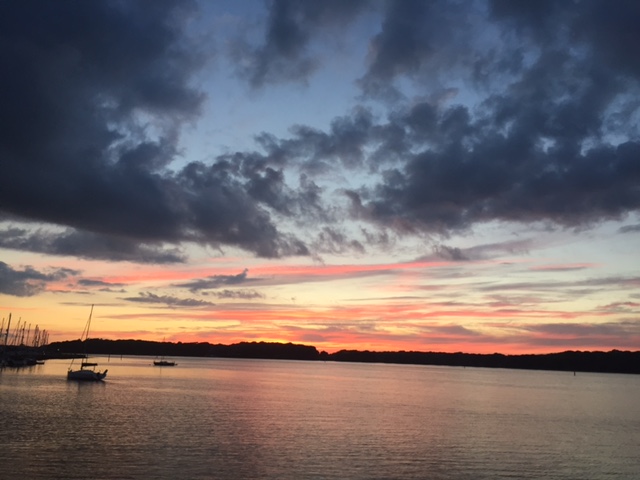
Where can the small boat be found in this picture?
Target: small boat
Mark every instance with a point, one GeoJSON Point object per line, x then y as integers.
{"type": "Point", "coordinates": [87, 371]}
{"type": "Point", "coordinates": [164, 363]}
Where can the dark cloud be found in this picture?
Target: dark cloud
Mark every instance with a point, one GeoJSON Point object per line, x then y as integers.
{"type": "Point", "coordinates": [335, 241]}
{"type": "Point", "coordinates": [94, 95]}
{"type": "Point", "coordinates": [560, 268]}
{"type": "Point", "coordinates": [28, 281]}
{"type": "Point", "coordinates": [609, 30]}
{"type": "Point", "coordinates": [78, 79]}
{"type": "Point", "coordinates": [86, 245]}
{"type": "Point", "coordinates": [583, 332]}
{"type": "Point", "coordinates": [454, 254]}
{"type": "Point", "coordinates": [215, 281]}
{"type": "Point", "coordinates": [538, 151]}
{"type": "Point", "coordinates": [621, 307]}
{"type": "Point", "coordinates": [486, 251]}
{"type": "Point", "coordinates": [284, 55]}
{"type": "Point", "coordinates": [168, 300]}
{"type": "Point", "coordinates": [218, 207]}
{"type": "Point", "coordinates": [238, 294]}
{"type": "Point", "coordinates": [319, 152]}
{"type": "Point", "coordinates": [444, 192]}
{"type": "Point", "coordinates": [519, 159]}
{"type": "Point", "coordinates": [417, 39]}
{"type": "Point", "coordinates": [87, 282]}
{"type": "Point", "coordinates": [541, 149]}
{"type": "Point", "coordinates": [629, 229]}
{"type": "Point", "coordinates": [454, 330]}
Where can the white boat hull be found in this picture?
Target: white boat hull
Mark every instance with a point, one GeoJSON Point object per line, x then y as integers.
{"type": "Point", "coordinates": [86, 375]}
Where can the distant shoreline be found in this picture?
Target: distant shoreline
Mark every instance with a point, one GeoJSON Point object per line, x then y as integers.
{"type": "Point", "coordinates": [614, 361]}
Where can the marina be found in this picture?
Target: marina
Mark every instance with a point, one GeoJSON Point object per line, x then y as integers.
{"type": "Point", "coordinates": [21, 346]}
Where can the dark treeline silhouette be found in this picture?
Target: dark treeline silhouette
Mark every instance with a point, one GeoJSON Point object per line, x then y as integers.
{"type": "Point", "coordinates": [279, 351]}
{"type": "Point", "coordinates": [615, 361]}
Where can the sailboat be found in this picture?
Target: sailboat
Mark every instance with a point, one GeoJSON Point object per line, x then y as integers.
{"type": "Point", "coordinates": [87, 371]}
{"type": "Point", "coordinates": [162, 362]}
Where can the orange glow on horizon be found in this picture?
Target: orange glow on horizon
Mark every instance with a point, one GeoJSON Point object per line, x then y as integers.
{"type": "Point", "coordinates": [395, 306]}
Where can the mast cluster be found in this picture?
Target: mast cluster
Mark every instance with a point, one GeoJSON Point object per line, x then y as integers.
{"type": "Point", "coordinates": [21, 335]}
{"type": "Point", "coordinates": [20, 345]}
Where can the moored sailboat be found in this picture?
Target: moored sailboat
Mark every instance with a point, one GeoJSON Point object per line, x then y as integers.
{"type": "Point", "coordinates": [87, 371]}
{"type": "Point", "coordinates": [162, 362]}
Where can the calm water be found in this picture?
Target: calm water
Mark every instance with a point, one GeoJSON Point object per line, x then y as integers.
{"type": "Point", "coordinates": [260, 419]}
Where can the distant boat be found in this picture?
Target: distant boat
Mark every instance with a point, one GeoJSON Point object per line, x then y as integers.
{"type": "Point", "coordinates": [164, 363]}
{"type": "Point", "coordinates": [87, 371]}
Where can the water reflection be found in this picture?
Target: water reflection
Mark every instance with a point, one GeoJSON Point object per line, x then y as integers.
{"type": "Point", "coordinates": [217, 418]}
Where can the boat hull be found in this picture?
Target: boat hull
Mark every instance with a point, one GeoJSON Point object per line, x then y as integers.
{"type": "Point", "coordinates": [86, 375]}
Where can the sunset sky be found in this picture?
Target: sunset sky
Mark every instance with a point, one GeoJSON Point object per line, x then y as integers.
{"type": "Point", "coordinates": [383, 175]}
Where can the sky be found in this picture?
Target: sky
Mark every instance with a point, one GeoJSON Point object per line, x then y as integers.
{"type": "Point", "coordinates": [450, 176]}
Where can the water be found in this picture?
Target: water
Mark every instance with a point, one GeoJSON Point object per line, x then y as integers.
{"type": "Point", "coordinates": [261, 419]}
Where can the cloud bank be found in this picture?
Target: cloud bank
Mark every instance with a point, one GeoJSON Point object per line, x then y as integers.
{"type": "Point", "coordinates": [467, 114]}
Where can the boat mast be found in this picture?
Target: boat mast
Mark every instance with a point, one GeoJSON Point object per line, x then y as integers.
{"type": "Point", "coordinates": [6, 335]}
{"type": "Point", "coordinates": [85, 334]}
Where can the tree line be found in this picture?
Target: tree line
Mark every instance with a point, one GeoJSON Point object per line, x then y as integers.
{"type": "Point", "coordinates": [614, 361]}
